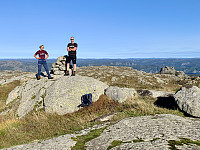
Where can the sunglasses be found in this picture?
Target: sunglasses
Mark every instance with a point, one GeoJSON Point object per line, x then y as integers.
{"type": "Point", "coordinates": [72, 39]}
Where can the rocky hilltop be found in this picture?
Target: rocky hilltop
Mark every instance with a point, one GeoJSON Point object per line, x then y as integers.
{"type": "Point", "coordinates": [62, 95]}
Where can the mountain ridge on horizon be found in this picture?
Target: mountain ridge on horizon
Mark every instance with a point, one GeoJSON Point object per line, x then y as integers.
{"type": "Point", "coordinates": [149, 65]}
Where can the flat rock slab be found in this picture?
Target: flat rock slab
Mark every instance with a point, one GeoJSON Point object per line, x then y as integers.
{"type": "Point", "coordinates": [154, 131]}
{"type": "Point", "coordinates": [59, 143]}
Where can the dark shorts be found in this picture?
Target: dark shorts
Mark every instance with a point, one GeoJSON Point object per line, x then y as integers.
{"type": "Point", "coordinates": [71, 57]}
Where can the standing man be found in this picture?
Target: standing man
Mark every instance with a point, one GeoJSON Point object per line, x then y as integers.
{"type": "Point", "coordinates": [42, 61]}
{"type": "Point", "coordinates": [71, 48]}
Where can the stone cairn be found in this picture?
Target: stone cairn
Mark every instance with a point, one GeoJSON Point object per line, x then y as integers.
{"type": "Point", "coordinates": [60, 66]}
{"type": "Point", "coordinates": [172, 71]}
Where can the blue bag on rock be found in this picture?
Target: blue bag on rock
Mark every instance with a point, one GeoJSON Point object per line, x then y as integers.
{"type": "Point", "coordinates": [86, 100]}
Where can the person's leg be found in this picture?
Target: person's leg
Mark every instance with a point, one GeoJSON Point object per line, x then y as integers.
{"type": "Point", "coordinates": [68, 63]}
{"type": "Point", "coordinates": [39, 68]}
{"type": "Point", "coordinates": [74, 67]}
{"type": "Point", "coordinates": [74, 62]}
{"type": "Point", "coordinates": [46, 68]}
{"type": "Point", "coordinates": [67, 66]}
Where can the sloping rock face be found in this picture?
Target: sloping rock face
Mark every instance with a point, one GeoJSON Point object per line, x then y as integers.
{"type": "Point", "coordinates": [188, 100]}
{"type": "Point", "coordinates": [148, 133]}
{"type": "Point", "coordinates": [29, 95]}
{"type": "Point", "coordinates": [61, 95]}
{"type": "Point", "coordinates": [65, 94]}
{"type": "Point", "coordinates": [120, 94]}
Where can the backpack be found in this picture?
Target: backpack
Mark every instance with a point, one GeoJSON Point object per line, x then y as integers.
{"type": "Point", "coordinates": [86, 100]}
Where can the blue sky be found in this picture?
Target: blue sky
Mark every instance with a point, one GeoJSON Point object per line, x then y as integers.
{"type": "Point", "coordinates": [102, 28]}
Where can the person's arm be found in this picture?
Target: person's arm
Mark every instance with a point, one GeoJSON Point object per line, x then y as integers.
{"type": "Point", "coordinates": [68, 49]}
{"type": "Point", "coordinates": [73, 49]}
{"type": "Point", "coordinates": [36, 56]}
{"type": "Point", "coordinates": [47, 56]}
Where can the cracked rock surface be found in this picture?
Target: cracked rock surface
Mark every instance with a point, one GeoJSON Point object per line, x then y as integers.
{"type": "Point", "coordinates": [143, 133]}
{"type": "Point", "coordinates": [153, 131]}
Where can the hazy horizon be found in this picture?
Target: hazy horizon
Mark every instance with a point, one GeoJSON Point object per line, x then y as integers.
{"type": "Point", "coordinates": [116, 58]}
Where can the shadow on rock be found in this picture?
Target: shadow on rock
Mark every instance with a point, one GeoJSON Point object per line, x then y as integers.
{"type": "Point", "coordinates": [166, 102]}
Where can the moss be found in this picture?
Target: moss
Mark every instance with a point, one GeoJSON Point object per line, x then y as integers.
{"type": "Point", "coordinates": [173, 143]}
{"type": "Point", "coordinates": [154, 139]}
{"type": "Point", "coordinates": [154, 118]}
{"type": "Point", "coordinates": [43, 96]}
{"type": "Point", "coordinates": [81, 140]}
{"type": "Point", "coordinates": [33, 97]}
{"type": "Point", "coordinates": [188, 141]}
{"type": "Point", "coordinates": [118, 142]}
{"type": "Point", "coordinates": [114, 144]}
{"type": "Point", "coordinates": [138, 140]}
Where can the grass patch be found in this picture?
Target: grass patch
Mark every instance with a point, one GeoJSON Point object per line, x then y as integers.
{"type": "Point", "coordinates": [9, 124]}
{"type": "Point", "coordinates": [81, 140]}
{"type": "Point", "coordinates": [173, 143]}
{"type": "Point", "coordinates": [5, 90]}
{"type": "Point", "coordinates": [40, 125]}
{"type": "Point", "coordinates": [142, 106]}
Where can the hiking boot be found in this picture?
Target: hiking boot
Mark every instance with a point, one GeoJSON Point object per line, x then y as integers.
{"type": "Point", "coordinates": [66, 73]}
{"type": "Point", "coordinates": [38, 77]}
{"type": "Point", "coordinates": [50, 77]}
{"type": "Point", "coordinates": [73, 73]}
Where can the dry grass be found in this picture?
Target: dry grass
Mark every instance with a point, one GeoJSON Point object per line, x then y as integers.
{"type": "Point", "coordinates": [143, 106]}
{"type": "Point", "coordinates": [5, 90]}
{"type": "Point", "coordinates": [39, 125]}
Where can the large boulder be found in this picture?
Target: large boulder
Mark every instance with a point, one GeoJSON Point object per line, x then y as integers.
{"type": "Point", "coordinates": [172, 71]}
{"type": "Point", "coordinates": [64, 95]}
{"type": "Point", "coordinates": [120, 94]}
{"type": "Point", "coordinates": [61, 95]}
{"type": "Point", "coordinates": [188, 100]}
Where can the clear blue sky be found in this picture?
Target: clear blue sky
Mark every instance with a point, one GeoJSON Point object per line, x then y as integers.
{"type": "Point", "coordinates": [102, 28]}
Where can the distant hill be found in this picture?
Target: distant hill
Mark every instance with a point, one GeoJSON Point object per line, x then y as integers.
{"type": "Point", "coordinates": [150, 65]}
